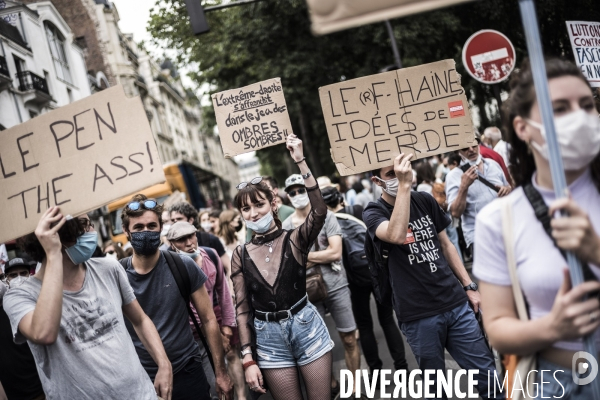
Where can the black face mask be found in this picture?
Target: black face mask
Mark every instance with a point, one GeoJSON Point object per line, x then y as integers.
{"type": "Point", "coordinates": [145, 243]}
{"type": "Point", "coordinates": [239, 226]}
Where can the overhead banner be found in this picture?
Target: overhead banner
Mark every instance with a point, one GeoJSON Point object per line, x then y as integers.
{"type": "Point", "coordinates": [335, 15]}
{"type": "Point", "coordinates": [585, 40]}
{"type": "Point", "coordinates": [79, 157]}
{"type": "Point", "coordinates": [252, 117]}
{"type": "Point", "coordinates": [421, 110]}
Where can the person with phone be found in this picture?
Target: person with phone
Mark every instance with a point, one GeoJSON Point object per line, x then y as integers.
{"type": "Point", "coordinates": [471, 187]}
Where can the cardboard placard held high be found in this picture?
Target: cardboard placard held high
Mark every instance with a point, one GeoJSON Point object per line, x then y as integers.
{"type": "Point", "coordinates": [252, 117]}
{"type": "Point", "coordinates": [370, 120]}
{"type": "Point", "coordinates": [79, 157]}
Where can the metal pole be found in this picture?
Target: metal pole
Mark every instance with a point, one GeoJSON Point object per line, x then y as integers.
{"type": "Point", "coordinates": [538, 69]}
{"type": "Point", "coordinates": [394, 44]}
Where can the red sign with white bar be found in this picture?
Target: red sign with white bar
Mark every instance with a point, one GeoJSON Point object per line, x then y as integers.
{"type": "Point", "coordinates": [489, 56]}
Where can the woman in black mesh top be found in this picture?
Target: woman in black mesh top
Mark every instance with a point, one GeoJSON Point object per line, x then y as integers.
{"type": "Point", "coordinates": [269, 280]}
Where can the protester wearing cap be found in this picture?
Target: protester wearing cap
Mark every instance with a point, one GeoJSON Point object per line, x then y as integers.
{"type": "Point", "coordinates": [71, 314]}
{"type": "Point", "coordinates": [18, 374]}
{"type": "Point", "coordinates": [467, 195]}
{"type": "Point", "coordinates": [182, 236]}
{"type": "Point", "coordinates": [158, 294]}
{"type": "Point", "coordinates": [184, 211]}
{"type": "Point", "coordinates": [326, 253]}
{"type": "Point", "coordinates": [432, 294]}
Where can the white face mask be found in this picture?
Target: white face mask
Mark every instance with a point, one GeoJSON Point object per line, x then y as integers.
{"type": "Point", "coordinates": [165, 229]}
{"type": "Point", "coordinates": [193, 255]}
{"type": "Point", "coordinates": [391, 186]}
{"type": "Point", "coordinates": [300, 201]}
{"type": "Point", "coordinates": [113, 255]}
{"type": "Point", "coordinates": [471, 163]}
{"type": "Point", "coordinates": [18, 281]}
{"type": "Point", "coordinates": [578, 135]}
{"type": "Point", "coordinates": [206, 226]}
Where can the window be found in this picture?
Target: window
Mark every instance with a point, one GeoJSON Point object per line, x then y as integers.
{"type": "Point", "coordinates": [70, 94]}
{"type": "Point", "coordinates": [56, 41]}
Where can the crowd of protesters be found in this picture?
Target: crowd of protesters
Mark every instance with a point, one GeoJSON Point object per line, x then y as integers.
{"type": "Point", "coordinates": [217, 304]}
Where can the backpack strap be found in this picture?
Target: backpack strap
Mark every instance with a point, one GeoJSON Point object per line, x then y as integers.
{"type": "Point", "coordinates": [184, 283]}
{"type": "Point", "coordinates": [481, 178]}
{"type": "Point", "coordinates": [541, 213]}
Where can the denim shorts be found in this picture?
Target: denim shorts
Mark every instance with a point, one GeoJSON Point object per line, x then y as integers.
{"type": "Point", "coordinates": [294, 341]}
{"type": "Point", "coordinates": [339, 304]}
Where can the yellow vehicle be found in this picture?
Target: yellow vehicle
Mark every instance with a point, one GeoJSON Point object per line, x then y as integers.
{"type": "Point", "coordinates": [160, 192]}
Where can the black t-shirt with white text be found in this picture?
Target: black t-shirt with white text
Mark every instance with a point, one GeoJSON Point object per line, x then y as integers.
{"type": "Point", "coordinates": [423, 283]}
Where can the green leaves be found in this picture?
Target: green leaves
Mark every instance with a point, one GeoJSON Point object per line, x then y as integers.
{"type": "Point", "coordinates": [272, 38]}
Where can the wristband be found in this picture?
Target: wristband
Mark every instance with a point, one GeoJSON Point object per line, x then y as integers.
{"type": "Point", "coordinates": [248, 364]}
{"type": "Point", "coordinates": [298, 162]}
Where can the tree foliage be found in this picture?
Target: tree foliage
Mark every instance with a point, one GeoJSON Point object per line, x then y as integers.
{"type": "Point", "coordinates": [272, 38]}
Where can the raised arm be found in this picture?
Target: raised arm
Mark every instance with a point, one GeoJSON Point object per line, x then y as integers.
{"type": "Point", "coordinates": [41, 325]}
{"type": "Point", "coordinates": [394, 231]}
{"type": "Point", "coordinates": [309, 230]}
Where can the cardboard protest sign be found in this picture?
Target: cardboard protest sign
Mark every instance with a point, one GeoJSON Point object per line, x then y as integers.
{"type": "Point", "coordinates": [421, 110]}
{"type": "Point", "coordinates": [79, 157]}
{"type": "Point", "coordinates": [334, 15]}
{"type": "Point", "coordinates": [252, 117]}
{"type": "Point", "coordinates": [585, 40]}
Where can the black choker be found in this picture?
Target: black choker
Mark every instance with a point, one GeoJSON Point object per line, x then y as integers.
{"type": "Point", "coordinates": [269, 237]}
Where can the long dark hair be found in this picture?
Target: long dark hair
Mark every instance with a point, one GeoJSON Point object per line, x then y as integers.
{"type": "Point", "coordinates": [254, 194]}
{"type": "Point", "coordinates": [521, 99]}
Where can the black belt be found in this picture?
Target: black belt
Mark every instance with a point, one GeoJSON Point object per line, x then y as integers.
{"type": "Point", "coordinates": [279, 315]}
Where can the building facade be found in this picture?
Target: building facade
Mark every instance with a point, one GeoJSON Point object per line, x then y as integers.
{"type": "Point", "coordinates": [41, 65]}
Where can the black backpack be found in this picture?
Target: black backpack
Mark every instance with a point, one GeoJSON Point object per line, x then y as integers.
{"type": "Point", "coordinates": [377, 258]}
{"type": "Point", "coordinates": [353, 255]}
{"type": "Point", "coordinates": [184, 284]}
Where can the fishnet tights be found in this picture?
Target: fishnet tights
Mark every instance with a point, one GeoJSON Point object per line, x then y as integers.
{"type": "Point", "coordinates": [285, 384]}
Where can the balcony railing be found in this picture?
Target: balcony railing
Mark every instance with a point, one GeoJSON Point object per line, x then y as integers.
{"type": "Point", "coordinates": [30, 81]}
{"type": "Point", "coordinates": [3, 67]}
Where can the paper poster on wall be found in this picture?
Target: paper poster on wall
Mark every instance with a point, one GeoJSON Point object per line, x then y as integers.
{"type": "Point", "coordinates": [370, 120]}
{"type": "Point", "coordinates": [252, 117]}
{"type": "Point", "coordinates": [585, 41]}
{"type": "Point", "coordinates": [79, 157]}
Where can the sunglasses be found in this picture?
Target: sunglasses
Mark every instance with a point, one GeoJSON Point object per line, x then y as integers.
{"type": "Point", "coordinates": [13, 275]}
{"type": "Point", "coordinates": [293, 193]}
{"type": "Point", "coordinates": [254, 181]}
{"type": "Point", "coordinates": [147, 204]}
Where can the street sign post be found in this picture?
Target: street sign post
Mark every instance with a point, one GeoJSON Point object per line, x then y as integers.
{"type": "Point", "coordinates": [489, 56]}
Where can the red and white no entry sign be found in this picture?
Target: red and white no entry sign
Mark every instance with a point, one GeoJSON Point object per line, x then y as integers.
{"type": "Point", "coordinates": [489, 56]}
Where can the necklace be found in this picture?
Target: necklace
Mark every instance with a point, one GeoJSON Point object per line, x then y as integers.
{"type": "Point", "coordinates": [267, 256]}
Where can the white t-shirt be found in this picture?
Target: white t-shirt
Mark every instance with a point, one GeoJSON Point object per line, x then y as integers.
{"type": "Point", "coordinates": [539, 262]}
{"type": "Point", "coordinates": [93, 356]}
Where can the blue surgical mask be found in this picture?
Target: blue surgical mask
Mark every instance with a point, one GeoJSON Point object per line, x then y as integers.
{"type": "Point", "coordinates": [82, 251]}
{"type": "Point", "coordinates": [193, 255]}
{"type": "Point", "coordinates": [145, 243]}
{"type": "Point", "coordinates": [262, 225]}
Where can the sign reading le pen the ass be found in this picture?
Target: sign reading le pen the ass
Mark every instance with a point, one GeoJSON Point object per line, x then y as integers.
{"type": "Point", "coordinates": [79, 157]}
{"type": "Point", "coordinates": [421, 110]}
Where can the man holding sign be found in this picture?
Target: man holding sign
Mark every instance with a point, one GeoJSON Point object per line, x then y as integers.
{"type": "Point", "coordinates": [71, 314]}
{"type": "Point", "coordinates": [431, 288]}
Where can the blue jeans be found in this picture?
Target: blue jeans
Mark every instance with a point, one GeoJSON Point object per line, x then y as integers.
{"type": "Point", "coordinates": [190, 383]}
{"type": "Point", "coordinates": [457, 331]}
{"type": "Point", "coordinates": [558, 383]}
